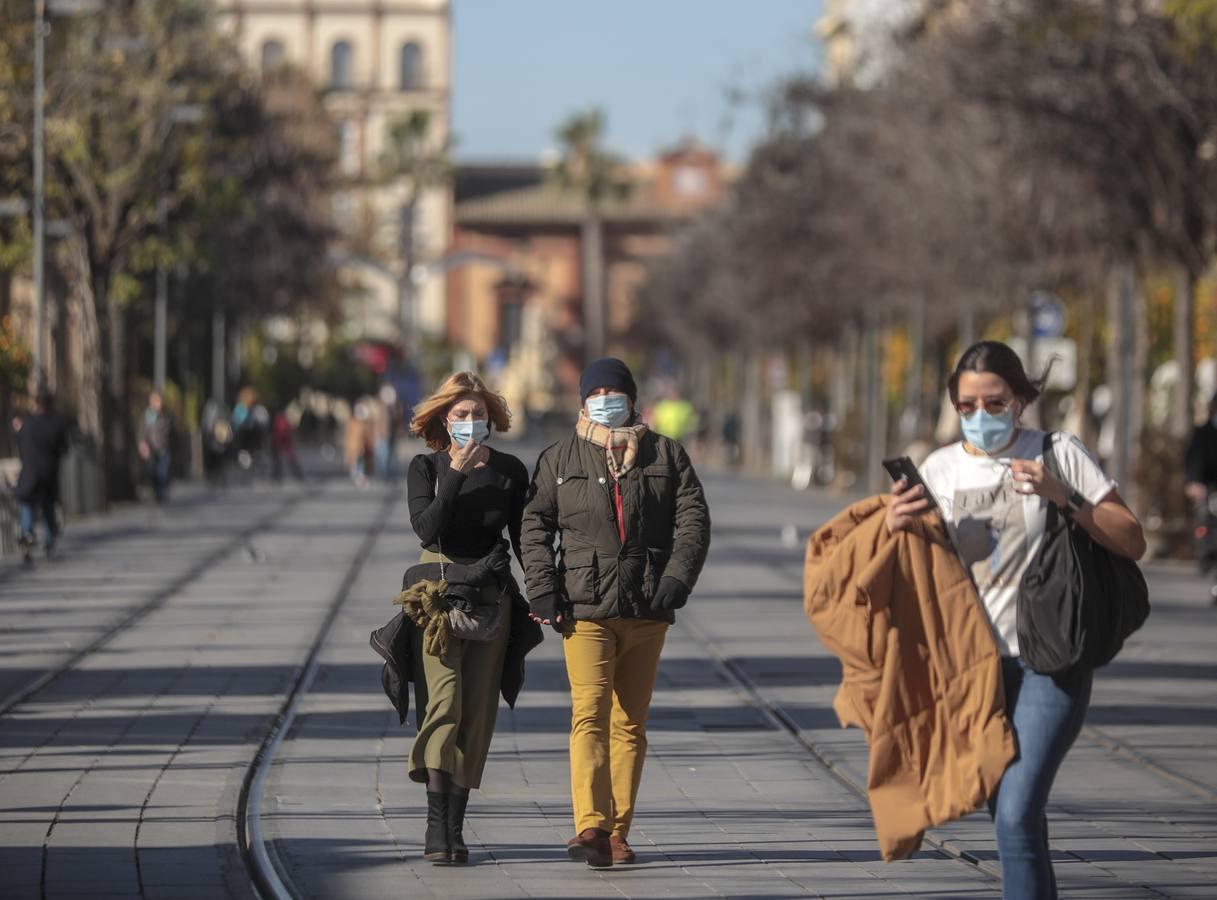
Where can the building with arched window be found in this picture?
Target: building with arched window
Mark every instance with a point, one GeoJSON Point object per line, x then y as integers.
{"type": "Point", "coordinates": [341, 66]}
{"type": "Point", "coordinates": [273, 54]}
{"type": "Point", "coordinates": [412, 77]}
{"type": "Point", "coordinates": [375, 60]}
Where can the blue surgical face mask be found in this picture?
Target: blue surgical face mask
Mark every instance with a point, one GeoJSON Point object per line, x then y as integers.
{"type": "Point", "coordinates": [988, 433]}
{"type": "Point", "coordinates": [610, 410]}
{"type": "Point", "coordinates": [469, 430]}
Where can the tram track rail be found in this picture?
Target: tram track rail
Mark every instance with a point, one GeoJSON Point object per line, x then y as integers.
{"type": "Point", "coordinates": [783, 720]}
{"type": "Point", "coordinates": [125, 622]}
{"type": "Point", "coordinates": [1128, 752]}
{"type": "Point", "coordinates": [134, 616]}
{"type": "Point", "coordinates": [268, 874]}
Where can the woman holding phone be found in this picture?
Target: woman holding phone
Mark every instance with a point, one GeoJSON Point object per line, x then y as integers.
{"type": "Point", "coordinates": [461, 496]}
{"type": "Point", "coordinates": [994, 490]}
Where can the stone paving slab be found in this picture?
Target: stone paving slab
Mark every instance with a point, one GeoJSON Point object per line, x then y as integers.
{"type": "Point", "coordinates": [132, 761]}
{"type": "Point", "coordinates": [108, 566]}
{"type": "Point", "coordinates": [1113, 820]}
{"type": "Point", "coordinates": [731, 806]}
{"type": "Point", "coordinates": [124, 771]}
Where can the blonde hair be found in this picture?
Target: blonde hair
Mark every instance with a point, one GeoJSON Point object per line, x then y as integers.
{"type": "Point", "coordinates": [430, 416]}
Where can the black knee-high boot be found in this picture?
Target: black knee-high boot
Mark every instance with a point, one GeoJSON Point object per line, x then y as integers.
{"type": "Point", "coordinates": [437, 848]}
{"type": "Point", "coordinates": [456, 825]}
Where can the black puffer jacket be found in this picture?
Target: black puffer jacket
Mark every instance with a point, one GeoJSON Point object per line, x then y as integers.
{"type": "Point", "coordinates": [667, 525]}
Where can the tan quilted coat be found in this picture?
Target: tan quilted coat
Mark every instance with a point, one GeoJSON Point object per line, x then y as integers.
{"type": "Point", "coordinates": [921, 671]}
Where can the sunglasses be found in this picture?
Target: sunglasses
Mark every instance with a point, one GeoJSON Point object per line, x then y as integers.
{"type": "Point", "coordinates": [994, 407]}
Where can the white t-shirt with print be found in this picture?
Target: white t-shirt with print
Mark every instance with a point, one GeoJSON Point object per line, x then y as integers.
{"type": "Point", "coordinates": [997, 531]}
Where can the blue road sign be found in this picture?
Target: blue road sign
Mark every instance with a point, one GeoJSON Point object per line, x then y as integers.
{"type": "Point", "coordinates": [1047, 315]}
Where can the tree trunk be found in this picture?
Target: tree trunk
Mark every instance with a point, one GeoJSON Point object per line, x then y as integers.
{"type": "Point", "coordinates": [910, 416]}
{"type": "Point", "coordinates": [1081, 393]}
{"type": "Point", "coordinates": [967, 326]}
{"type": "Point", "coordinates": [1126, 351]}
{"type": "Point", "coordinates": [593, 287]}
{"type": "Point", "coordinates": [1183, 408]}
{"type": "Point", "coordinates": [115, 447]}
{"type": "Point", "coordinates": [875, 406]}
{"type": "Point", "coordinates": [752, 420]}
{"type": "Point", "coordinates": [219, 368]}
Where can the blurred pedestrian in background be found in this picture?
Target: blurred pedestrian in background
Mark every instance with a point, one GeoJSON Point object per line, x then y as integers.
{"type": "Point", "coordinates": [462, 496]}
{"type": "Point", "coordinates": [1200, 458]}
{"type": "Point", "coordinates": [155, 440]}
{"type": "Point", "coordinates": [674, 417]}
{"type": "Point", "coordinates": [357, 442]}
{"type": "Point", "coordinates": [994, 491]}
{"type": "Point", "coordinates": [216, 428]}
{"type": "Point", "coordinates": [283, 447]}
{"type": "Point", "coordinates": [1200, 474]}
{"type": "Point", "coordinates": [388, 418]}
{"type": "Point", "coordinates": [730, 432]}
{"type": "Point", "coordinates": [42, 442]}
{"type": "Point", "coordinates": [251, 430]}
{"type": "Point", "coordinates": [384, 424]}
{"type": "Point", "coordinates": [633, 528]}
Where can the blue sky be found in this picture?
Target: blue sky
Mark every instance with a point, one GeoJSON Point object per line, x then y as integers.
{"type": "Point", "coordinates": [659, 68]}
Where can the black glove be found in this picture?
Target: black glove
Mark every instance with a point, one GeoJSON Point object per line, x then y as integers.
{"type": "Point", "coordinates": [671, 594]}
{"type": "Point", "coordinates": [549, 606]}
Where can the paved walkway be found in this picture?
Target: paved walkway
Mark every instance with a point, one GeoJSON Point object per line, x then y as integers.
{"type": "Point", "coordinates": [122, 776]}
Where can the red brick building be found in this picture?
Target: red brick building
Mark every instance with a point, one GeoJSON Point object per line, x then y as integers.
{"type": "Point", "coordinates": [520, 308]}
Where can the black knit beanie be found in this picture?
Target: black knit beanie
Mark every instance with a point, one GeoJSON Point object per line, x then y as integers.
{"type": "Point", "coordinates": [607, 373]}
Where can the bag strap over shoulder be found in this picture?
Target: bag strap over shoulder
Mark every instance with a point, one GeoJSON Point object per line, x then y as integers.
{"type": "Point", "coordinates": [1049, 456]}
{"type": "Point", "coordinates": [1052, 466]}
{"type": "Point", "coordinates": [439, 541]}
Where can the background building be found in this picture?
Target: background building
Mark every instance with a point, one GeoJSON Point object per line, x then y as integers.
{"type": "Point", "coordinates": [517, 306]}
{"type": "Point", "coordinates": [376, 60]}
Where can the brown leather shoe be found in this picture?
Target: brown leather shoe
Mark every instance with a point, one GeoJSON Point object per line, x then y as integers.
{"type": "Point", "coordinates": [591, 847]}
{"type": "Point", "coordinates": [623, 854]}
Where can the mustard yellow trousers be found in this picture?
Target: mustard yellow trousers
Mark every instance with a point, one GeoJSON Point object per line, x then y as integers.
{"type": "Point", "coordinates": [611, 665]}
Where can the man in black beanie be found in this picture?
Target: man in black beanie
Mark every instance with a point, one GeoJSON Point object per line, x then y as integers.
{"type": "Point", "coordinates": [610, 375]}
{"type": "Point", "coordinates": [633, 528]}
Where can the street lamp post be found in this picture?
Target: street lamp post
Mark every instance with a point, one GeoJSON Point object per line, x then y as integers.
{"type": "Point", "coordinates": [160, 329]}
{"type": "Point", "coordinates": [39, 211]}
{"type": "Point", "coordinates": [183, 113]}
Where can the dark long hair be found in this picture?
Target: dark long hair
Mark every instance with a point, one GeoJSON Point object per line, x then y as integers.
{"type": "Point", "coordinates": [998, 359]}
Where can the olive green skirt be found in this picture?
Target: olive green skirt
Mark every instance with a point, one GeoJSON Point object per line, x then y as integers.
{"type": "Point", "coordinates": [456, 700]}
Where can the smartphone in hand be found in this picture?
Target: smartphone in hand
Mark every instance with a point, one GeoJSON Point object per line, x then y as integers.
{"type": "Point", "coordinates": [902, 467]}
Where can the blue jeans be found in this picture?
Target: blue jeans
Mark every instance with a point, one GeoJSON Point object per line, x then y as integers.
{"type": "Point", "coordinates": [27, 513]}
{"type": "Point", "coordinates": [1047, 713]}
{"type": "Point", "coordinates": [384, 460]}
{"type": "Point", "coordinates": [158, 471]}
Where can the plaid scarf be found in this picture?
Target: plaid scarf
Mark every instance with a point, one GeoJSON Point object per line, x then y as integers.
{"type": "Point", "coordinates": [621, 444]}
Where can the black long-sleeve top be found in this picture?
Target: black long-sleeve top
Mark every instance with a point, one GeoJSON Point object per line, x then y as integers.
{"type": "Point", "coordinates": [470, 510]}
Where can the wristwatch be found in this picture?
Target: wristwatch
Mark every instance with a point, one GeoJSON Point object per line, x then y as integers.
{"type": "Point", "coordinates": [1076, 502]}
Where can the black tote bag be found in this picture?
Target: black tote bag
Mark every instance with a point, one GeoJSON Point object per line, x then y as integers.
{"type": "Point", "coordinates": [1078, 602]}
